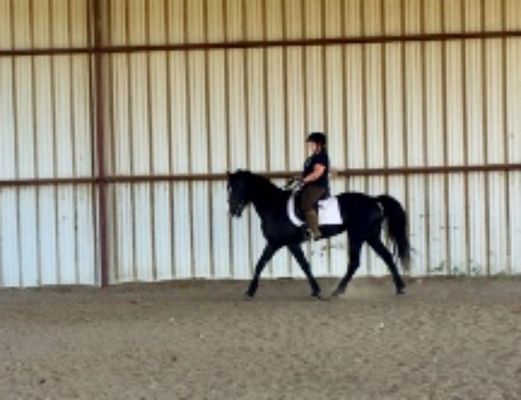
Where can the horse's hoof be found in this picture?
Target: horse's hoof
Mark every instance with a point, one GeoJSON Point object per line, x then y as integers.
{"type": "Point", "coordinates": [317, 296]}
{"type": "Point", "coordinates": [248, 297]}
{"type": "Point", "coordinates": [400, 291]}
{"type": "Point", "coordinates": [338, 293]}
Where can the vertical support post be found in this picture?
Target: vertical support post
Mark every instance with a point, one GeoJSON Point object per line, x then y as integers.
{"type": "Point", "coordinates": [97, 87]}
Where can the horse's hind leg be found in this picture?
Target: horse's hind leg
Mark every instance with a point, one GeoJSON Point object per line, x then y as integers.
{"type": "Point", "coordinates": [376, 243]}
{"type": "Point", "coordinates": [354, 263]}
{"type": "Point", "coordinates": [267, 253]}
{"type": "Point", "coordinates": [304, 264]}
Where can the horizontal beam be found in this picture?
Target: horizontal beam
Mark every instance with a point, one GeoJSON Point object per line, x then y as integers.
{"type": "Point", "coordinates": [249, 44]}
{"type": "Point", "coordinates": [354, 172]}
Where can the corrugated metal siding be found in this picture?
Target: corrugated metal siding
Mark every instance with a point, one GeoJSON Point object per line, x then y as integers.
{"type": "Point", "coordinates": [46, 233]}
{"type": "Point", "coordinates": [395, 104]}
{"type": "Point", "coordinates": [409, 104]}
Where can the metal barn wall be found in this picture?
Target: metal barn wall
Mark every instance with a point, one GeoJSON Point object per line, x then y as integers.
{"type": "Point", "coordinates": [46, 232]}
{"type": "Point", "coordinates": [433, 122]}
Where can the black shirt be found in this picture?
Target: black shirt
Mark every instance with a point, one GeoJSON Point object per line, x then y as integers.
{"type": "Point", "coordinates": [309, 166]}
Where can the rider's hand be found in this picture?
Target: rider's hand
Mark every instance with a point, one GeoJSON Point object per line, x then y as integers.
{"type": "Point", "coordinates": [294, 184]}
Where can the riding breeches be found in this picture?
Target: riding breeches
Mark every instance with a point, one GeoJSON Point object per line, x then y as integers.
{"type": "Point", "coordinates": [310, 195]}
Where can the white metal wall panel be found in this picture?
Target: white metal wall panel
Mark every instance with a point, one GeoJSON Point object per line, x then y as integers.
{"type": "Point", "coordinates": [513, 122]}
{"type": "Point", "coordinates": [514, 192]}
{"type": "Point", "coordinates": [412, 70]}
{"type": "Point", "coordinates": [219, 133]}
{"type": "Point", "coordinates": [178, 92]}
{"type": "Point", "coordinates": [47, 233]}
{"type": "Point", "coordinates": [47, 249]}
{"type": "Point", "coordinates": [38, 24]}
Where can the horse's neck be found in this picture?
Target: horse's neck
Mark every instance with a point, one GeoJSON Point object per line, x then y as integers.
{"type": "Point", "coordinates": [265, 195]}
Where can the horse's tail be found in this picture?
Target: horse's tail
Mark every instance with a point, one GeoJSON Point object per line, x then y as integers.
{"type": "Point", "coordinates": [397, 227]}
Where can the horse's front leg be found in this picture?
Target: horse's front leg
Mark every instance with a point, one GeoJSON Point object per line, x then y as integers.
{"type": "Point", "coordinates": [267, 253]}
{"type": "Point", "coordinates": [297, 252]}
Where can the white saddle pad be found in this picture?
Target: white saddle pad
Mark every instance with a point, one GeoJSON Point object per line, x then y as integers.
{"type": "Point", "coordinates": [328, 212]}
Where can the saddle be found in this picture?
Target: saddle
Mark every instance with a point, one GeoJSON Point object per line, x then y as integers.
{"type": "Point", "coordinates": [298, 201]}
{"type": "Point", "coordinates": [327, 208]}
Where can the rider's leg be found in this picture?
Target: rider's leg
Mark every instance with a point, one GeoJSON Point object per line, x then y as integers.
{"type": "Point", "coordinates": [310, 196]}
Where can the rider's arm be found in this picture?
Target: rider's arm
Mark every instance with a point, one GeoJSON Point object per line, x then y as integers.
{"type": "Point", "coordinates": [318, 171]}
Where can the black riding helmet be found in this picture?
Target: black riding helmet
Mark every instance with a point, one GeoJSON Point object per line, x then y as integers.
{"type": "Point", "coordinates": [317, 137]}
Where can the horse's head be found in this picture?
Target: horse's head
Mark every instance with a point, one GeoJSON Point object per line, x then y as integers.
{"type": "Point", "coordinates": [238, 192]}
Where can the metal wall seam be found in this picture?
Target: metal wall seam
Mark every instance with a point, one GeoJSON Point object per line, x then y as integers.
{"type": "Point", "coordinates": [10, 253]}
{"type": "Point", "coordinates": [335, 117]}
{"type": "Point", "coordinates": [198, 141]}
{"type": "Point", "coordinates": [35, 279]}
{"type": "Point", "coordinates": [376, 115]}
{"type": "Point", "coordinates": [455, 141]}
{"type": "Point", "coordinates": [292, 267]}
{"type": "Point", "coordinates": [237, 134]}
{"type": "Point", "coordinates": [257, 117]}
{"type": "Point", "coordinates": [425, 148]}
{"type": "Point", "coordinates": [485, 133]}
{"type": "Point", "coordinates": [234, 236]}
{"type": "Point", "coordinates": [505, 156]}
{"type": "Point", "coordinates": [345, 187]}
{"type": "Point", "coordinates": [180, 143]}
{"type": "Point", "coordinates": [276, 110]}
{"type": "Point", "coordinates": [111, 34]}
{"type": "Point", "coordinates": [417, 140]}
{"type": "Point", "coordinates": [73, 145]}
{"type": "Point", "coordinates": [494, 59]}
{"type": "Point", "coordinates": [217, 141]}
{"type": "Point", "coordinates": [513, 88]}
{"type": "Point", "coordinates": [245, 66]}
{"type": "Point", "coordinates": [263, 16]}
{"type": "Point", "coordinates": [464, 100]}
{"type": "Point", "coordinates": [354, 104]}
{"type": "Point", "coordinates": [445, 266]}
{"type": "Point", "coordinates": [129, 67]}
{"type": "Point", "coordinates": [91, 255]}
{"type": "Point", "coordinates": [95, 37]}
{"type": "Point", "coordinates": [404, 110]}
{"type": "Point", "coordinates": [303, 58]}
{"type": "Point", "coordinates": [394, 109]}
{"type": "Point", "coordinates": [325, 120]}
{"type": "Point", "coordinates": [169, 127]}
{"type": "Point", "coordinates": [476, 252]}
{"type": "Point", "coordinates": [152, 134]}
{"type": "Point", "coordinates": [188, 77]}
{"type": "Point", "coordinates": [141, 142]}
{"type": "Point", "coordinates": [442, 37]}
{"type": "Point", "coordinates": [209, 153]}
{"type": "Point", "coordinates": [365, 255]}
{"type": "Point", "coordinates": [55, 200]}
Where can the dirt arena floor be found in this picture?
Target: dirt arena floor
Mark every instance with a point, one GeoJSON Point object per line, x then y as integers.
{"type": "Point", "coordinates": [445, 339]}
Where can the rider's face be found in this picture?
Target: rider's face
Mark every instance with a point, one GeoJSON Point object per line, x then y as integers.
{"type": "Point", "coordinates": [312, 147]}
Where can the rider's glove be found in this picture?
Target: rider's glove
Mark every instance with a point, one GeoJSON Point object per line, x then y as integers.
{"type": "Point", "coordinates": [294, 184]}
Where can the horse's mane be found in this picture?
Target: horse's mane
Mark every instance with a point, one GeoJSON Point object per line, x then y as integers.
{"type": "Point", "coordinates": [260, 184]}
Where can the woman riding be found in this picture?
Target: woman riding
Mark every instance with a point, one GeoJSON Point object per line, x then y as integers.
{"type": "Point", "coordinates": [315, 180]}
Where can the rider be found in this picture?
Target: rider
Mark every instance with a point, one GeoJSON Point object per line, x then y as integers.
{"type": "Point", "coordinates": [315, 180]}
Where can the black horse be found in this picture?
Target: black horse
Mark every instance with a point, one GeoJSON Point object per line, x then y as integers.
{"type": "Point", "coordinates": [362, 217]}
